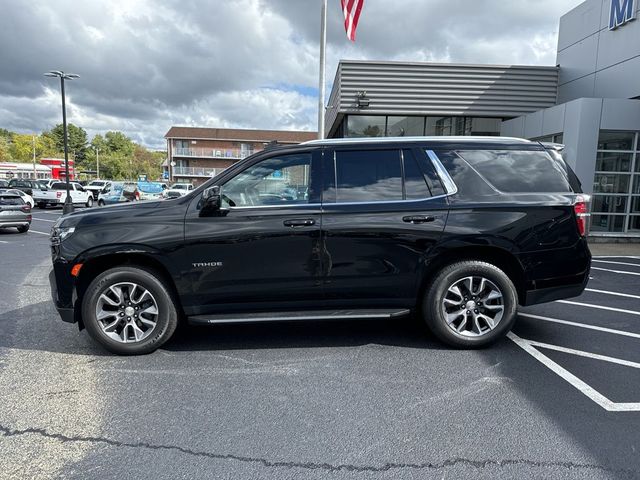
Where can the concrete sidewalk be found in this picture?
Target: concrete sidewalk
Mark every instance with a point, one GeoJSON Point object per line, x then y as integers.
{"type": "Point", "coordinates": [626, 249]}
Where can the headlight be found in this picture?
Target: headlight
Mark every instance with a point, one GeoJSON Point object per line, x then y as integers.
{"type": "Point", "coordinates": [58, 234]}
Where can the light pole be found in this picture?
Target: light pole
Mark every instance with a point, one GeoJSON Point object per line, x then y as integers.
{"type": "Point", "coordinates": [68, 204]}
{"type": "Point", "coordinates": [97, 162]}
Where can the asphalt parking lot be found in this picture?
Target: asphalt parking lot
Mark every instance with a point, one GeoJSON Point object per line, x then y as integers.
{"type": "Point", "coordinates": [559, 398]}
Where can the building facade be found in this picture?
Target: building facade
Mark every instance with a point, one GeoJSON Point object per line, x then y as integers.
{"type": "Point", "coordinates": [589, 101]}
{"type": "Point", "coordinates": [196, 154]}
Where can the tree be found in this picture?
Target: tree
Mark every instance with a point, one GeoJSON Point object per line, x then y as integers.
{"type": "Point", "coordinates": [5, 156]}
{"type": "Point", "coordinates": [77, 140]}
{"type": "Point", "coordinates": [21, 147]}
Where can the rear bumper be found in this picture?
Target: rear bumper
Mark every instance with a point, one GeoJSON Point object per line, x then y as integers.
{"type": "Point", "coordinates": [63, 303]}
{"type": "Point", "coordinates": [550, 294]}
{"type": "Point", "coordinates": [14, 223]}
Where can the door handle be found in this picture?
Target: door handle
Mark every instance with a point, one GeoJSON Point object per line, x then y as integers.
{"type": "Point", "coordinates": [299, 222]}
{"type": "Point", "coordinates": [419, 219]}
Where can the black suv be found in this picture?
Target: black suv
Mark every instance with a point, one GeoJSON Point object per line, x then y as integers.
{"type": "Point", "coordinates": [458, 230]}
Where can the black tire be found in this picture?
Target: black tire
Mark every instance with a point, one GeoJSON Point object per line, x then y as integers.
{"type": "Point", "coordinates": [42, 205]}
{"type": "Point", "coordinates": [89, 203]}
{"type": "Point", "coordinates": [23, 229]}
{"type": "Point", "coordinates": [434, 314]}
{"type": "Point", "coordinates": [101, 203]}
{"type": "Point", "coordinates": [166, 320]}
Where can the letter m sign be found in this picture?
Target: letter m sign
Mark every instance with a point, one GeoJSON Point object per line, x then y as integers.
{"type": "Point", "coordinates": [622, 11]}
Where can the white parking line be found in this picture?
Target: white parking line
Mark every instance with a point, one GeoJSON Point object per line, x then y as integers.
{"type": "Point", "coordinates": [582, 353]}
{"type": "Point", "coordinates": [615, 271]}
{"type": "Point", "coordinates": [618, 263]}
{"type": "Point", "coordinates": [601, 307]}
{"type": "Point", "coordinates": [43, 220]}
{"type": "Point", "coordinates": [635, 257]}
{"type": "Point", "coordinates": [580, 385]}
{"type": "Point", "coordinates": [617, 294]}
{"type": "Point", "coordinates": [581, 325]}
{"type": "Point", "coordinates": [2, 241]}
{"type": "Point", "coordinates": [41, 233]}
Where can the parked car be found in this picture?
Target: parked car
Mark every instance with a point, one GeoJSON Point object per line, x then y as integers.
{"type": "Point", "coordinates": [26, 185]}
{"type": "Point", "coordinates": [4, 184]}
{"type": "Point", "coordinates": [118, 192]}
{"type": "Point", "coordinates": [457, 230]}
{"type": "Point", "coordinates": [26, 198]}
{"type": "Point", "coordinates": [57, 194]}
{"type": "Point", "coordinates": [98, 186]}
{"type": "Point", "coordinates": [149, 190]}
{"type": "Point", "coordinates": [14, 212]}
{"type": "Point", "coordinates": [179, 188]}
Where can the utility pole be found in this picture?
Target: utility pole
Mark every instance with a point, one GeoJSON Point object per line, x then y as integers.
{"type": "Point", "coordinates": [35, 173]}
{"type": "Point", "coordinates": [97, 162]}
{"type": "Point", "coordinates": [323, 44]}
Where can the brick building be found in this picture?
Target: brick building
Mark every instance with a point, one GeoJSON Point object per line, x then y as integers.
{"type": "Point", "coordinates": [196, 154]}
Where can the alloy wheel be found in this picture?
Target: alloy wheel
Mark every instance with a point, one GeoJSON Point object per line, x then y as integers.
{"type": "Point", "coordinates": [473, 306]}
{"type": "Point", "coordinates": [127, 312]}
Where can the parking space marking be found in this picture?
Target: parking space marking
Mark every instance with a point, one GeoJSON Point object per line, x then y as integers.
{"type": "Point", "coordinates": [617, 294]}
{"type": "Point", "coordinates": [43, 219]}
{"type": "Point", "coordinates": [581, 386]}
{"type": "Point", "coordinates": [2, 241]}
{"type": "Point", "coordinates": [635, 257]}
{"type": "Point", "coordinates": [615, 271]}
{"type": "Point", "coordinates": [618, 263]}
{"type": "Point", "coordinates": [601, 307]}
{"type": "Point", "coordinates": [41, 233]}
{"type": "Point", "coordinates": [582, 353]}
{"type": "Point", "coordinates": [581, 325]}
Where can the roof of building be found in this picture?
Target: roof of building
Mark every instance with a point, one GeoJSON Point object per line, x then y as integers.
{"type": "Point", "coordinates": [236, 134]}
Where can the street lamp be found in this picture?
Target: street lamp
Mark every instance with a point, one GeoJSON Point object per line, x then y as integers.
{"type": "Point", "coordinates": [68, 203]}
{"type": "Point", "coordinates": [97, 162]}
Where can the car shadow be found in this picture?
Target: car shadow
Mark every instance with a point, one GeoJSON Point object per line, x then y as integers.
{"type": "Point", "coordinates": [401, 332]}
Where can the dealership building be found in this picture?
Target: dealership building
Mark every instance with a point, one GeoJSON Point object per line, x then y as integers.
{"type": "Point", "coordinates": [589, 101]}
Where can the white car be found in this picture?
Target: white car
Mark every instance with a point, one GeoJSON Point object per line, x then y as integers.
{"type": "Point", "coordinates": [27, 198]}
{"type": "Point", "coordinates": [57, 194]}
{"type": "Point", "coordinates": [180, 188]}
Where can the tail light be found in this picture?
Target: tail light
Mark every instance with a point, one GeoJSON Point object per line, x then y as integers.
{"type": "Point", "coordinates": [26, 208]}
{"type": "Point", "coordinates": [58, 194]}
{"type": "Point", "coordinates": [582, 213]}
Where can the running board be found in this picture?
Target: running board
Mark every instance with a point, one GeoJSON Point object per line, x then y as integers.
{"type": "Point", "coordinates": [297, 316]}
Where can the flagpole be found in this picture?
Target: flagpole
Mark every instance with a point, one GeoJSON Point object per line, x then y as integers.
{"type": "Point", "coordinates": [323, 44]}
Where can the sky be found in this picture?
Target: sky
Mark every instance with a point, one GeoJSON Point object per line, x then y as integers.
{"type": "Point", "coordinates": [146, 65]}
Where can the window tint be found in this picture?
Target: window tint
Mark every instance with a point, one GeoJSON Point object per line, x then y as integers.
{"type": "Point", "coordinates": [366, 176]}
{"type": "Point", "coordinates": [415, 184]}
{"type": "Point", "coordinates": [60, 186]}
{"type": "Point", "coordinates": [282, 180]}
{"type": "Point", "coordinates": [10, 200]}
{"type": "Point", "coordinates": [518, 170]}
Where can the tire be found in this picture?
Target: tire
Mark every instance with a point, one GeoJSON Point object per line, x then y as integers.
{"type": "Point", "coordinates": [42, 205]}
{"type": "Point", "coordinates": [484, 319]}
{"type": "Point", "coordinates": [23, 229]}
{"type": "Point", "coordinates": [101, 203]}
{"type": "Point", "coordinates": [89, 203]}
{"type": "Point", "coordinates": [113, 339]}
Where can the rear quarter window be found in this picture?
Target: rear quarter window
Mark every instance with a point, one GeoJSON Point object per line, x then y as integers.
{"type": "Point", "coordinates": [518, 171]}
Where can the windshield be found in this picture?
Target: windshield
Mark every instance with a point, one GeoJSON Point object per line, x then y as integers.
{"type": "Point", "coordinates": [181, 186]}
{"type": "Point", "coordinates": [150, 187]}
{"type": "Point", "coordinates": [97, 183]}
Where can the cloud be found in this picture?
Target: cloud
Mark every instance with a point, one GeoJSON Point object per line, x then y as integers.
{"type": "Point", "coordinates": [148, 64]}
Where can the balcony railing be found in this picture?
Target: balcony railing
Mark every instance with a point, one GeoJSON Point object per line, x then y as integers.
{"type": "Point", "coordinates": [196, 171]}
{"type": "Point", "coordinates": [230, 154]}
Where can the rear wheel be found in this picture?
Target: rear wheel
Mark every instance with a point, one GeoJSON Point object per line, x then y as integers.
{"type": "Point", "coordinates": [470, 304]}
{"type": "Point", "coordinates": [42, 205]}
{"type": "Point", "coordinates": [101, 203]}
{"type": "Point", "coordinates": [23, 229]}
{"type": "Point", "coordinates": [89, 202]}
{"type": "Point", "coordinates": [129, 311]}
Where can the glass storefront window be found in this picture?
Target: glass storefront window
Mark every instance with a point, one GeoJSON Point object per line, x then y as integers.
{"type": "Point", "coordinates": [405, 126]}
{"type": "Point", "coordinates": [611, 183]}
{"type": "Point", "coordinates": [613, 162]}
{"type": "Point", "coordinates": [635, 205]}
{"type": "Point", "coordinates": [634, 222]}
{"type": "Point", "coordinates": [366, 126]}
{"type": "Point", "coordinates": [609, 204]}
{"type": "Point", "coordinates": [636, 185]}
{"type": "Point", "coordinates": [607, 223]}
{"type": "Point", "coordinates": [609, 140]}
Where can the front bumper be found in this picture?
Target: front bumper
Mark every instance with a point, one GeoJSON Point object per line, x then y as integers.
{"type": "Point", "coordinates": [63, 305]}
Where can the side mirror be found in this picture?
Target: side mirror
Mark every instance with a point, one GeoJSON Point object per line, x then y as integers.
{"type": "Point", "coordinates": [211, 201]}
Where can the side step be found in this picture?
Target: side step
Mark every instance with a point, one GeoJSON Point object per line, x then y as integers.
{"type": "Point", "coordinates": [297, 316]}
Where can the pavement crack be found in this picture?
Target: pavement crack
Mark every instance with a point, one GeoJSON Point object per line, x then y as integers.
{"type": "Point", "coordinates": [452, 462]}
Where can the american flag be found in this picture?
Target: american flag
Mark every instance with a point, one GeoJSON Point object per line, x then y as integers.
{"type": "Point", "coordinates": [351, 10]}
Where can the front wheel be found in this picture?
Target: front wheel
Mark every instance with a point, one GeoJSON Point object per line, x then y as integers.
{"type": "Point", "coordinates": [101, 203]}
{"type": "Point", "coordinates": [23, 229]}
{"type": "Point", "coordinates": [89, 202]}
{"type": "Point", "coordinates": [129, 311]}
{"type": "Point", "coordinates": [470, 304]}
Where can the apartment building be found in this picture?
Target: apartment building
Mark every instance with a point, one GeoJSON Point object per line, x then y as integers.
{"type": "Point", "coordinates": [196, 154]}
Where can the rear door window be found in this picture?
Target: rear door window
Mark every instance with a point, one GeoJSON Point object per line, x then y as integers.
{"type": "Point", "coordinates": [518, 171]}
{"type": "Point", "coordinates": [10, 200]}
